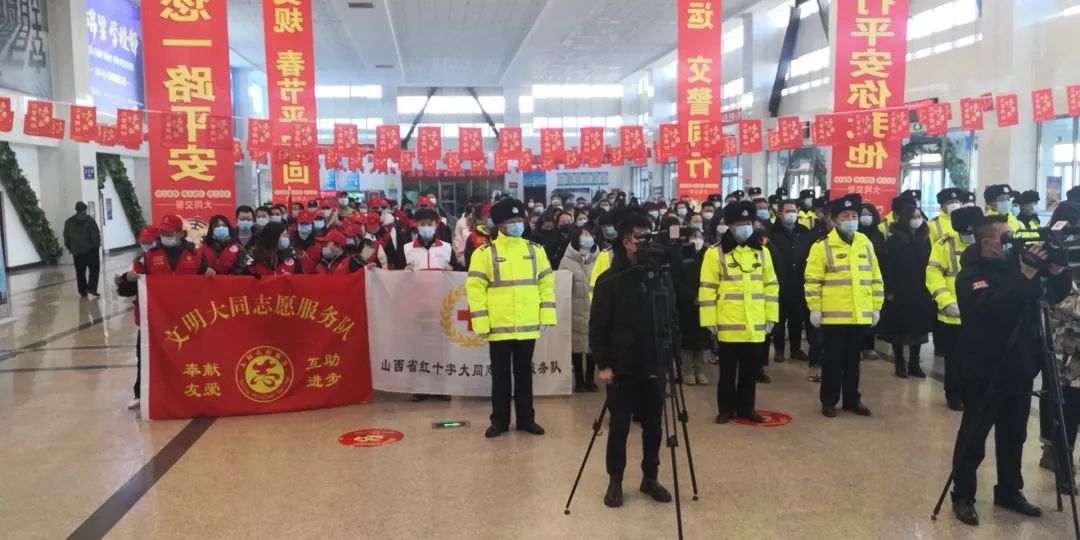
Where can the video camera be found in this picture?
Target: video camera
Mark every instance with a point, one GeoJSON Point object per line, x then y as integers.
{"type": "Point", "coordinates": [1062, 244]}
{"type": "Point", "coordinates": [665, 247]}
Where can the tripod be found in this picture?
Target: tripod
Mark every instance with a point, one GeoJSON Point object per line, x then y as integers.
{"type": "Point", "coordinates": [665, 336]}
{"type": "Point", "coordinates": [1051, 391]}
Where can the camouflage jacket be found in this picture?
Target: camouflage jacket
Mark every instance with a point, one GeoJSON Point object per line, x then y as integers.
{"type": "Point", "coordinates": [1066, 323]}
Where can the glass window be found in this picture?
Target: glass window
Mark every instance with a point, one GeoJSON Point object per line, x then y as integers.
{"type": "Point", "coordinates": [1057, 161]}
{"type": "Point", "coordinates": [799, 169]}
{"type": "Point", "coordinates": [931, 164]}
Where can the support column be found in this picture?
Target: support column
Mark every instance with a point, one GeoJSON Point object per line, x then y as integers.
{"type": "Point", "coordinates": [760, 55]}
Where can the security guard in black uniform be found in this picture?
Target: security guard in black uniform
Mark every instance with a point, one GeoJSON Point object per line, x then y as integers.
{"type": "Point", "coordinates": [621, 336]}
{"type": "Point", "coordinates": [998, 291]}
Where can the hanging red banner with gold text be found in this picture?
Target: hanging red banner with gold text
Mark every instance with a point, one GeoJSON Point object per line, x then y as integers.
{"type": "Point", "coordinates": [697, 100]}
{"type": "Point", "coordinates": [186, 58]}
{"type": "Point", "coordinates": [871, 44]}
{"type": "Point", "coordinates": [290, 76]}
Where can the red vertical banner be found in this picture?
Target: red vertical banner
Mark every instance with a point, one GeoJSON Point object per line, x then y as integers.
{"type": "Point", "coordinates": [697, 94]}
{"type": "Point", "coordinates": [186, 61]}
{"type": "Point", "coordinates": [429, 143]}
{"type": "Point", "coordinates": [510, 142]}
{"type": "Point", "coordinates": [870, 45]}
{"type": "Point", "coordinates": [83, 123]}
{"type": "Point", "coordinates": [470, 143]}
{"type": "Point", "coordinates": [551, 144]}
{"type": "Point", "coordinates": [290, 77]}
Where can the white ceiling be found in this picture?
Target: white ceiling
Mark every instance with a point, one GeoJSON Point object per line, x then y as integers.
{"type": "Point", "coordinates": [475, 42]}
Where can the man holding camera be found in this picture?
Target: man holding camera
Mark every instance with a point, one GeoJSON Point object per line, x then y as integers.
{"type": "Point", "coordinates": [998, 294]}
{"type": "Point", "coordinates": [622, 337]}
{"type": "Point", "coordinates": [739, 299]}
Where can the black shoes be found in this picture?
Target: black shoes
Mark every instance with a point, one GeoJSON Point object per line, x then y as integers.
{"type": "Point", "coordinates": [858, 409]}
{"type": "Point", "coordinates": [778, 356]}
{"type": "Point", "coordinates": [828, 411]}
{"type": "Point", "coordinates": [531, 427]}
{"type": "Point", "coordinates": [955, 403]}
{"type": "Point", "coordinates": [652, 488]}
{"type": "Point", "coordinates": [613, 497]}
{"type": "Point", "coordinates": [964, 509]}
{"type": "Point", "coordinates": [417, 398]}
{"type": "Point", "coordinates": [753, 417]}
{"type": "Point", "coordinates": [723, 418]}
{"type": "Point", "coordinates": [763, 377]}
{"type": "Point", "coordinates": [95, 294]}
{"type": "Point", "coordinates": [915, 370]}
{"type": "Point", "coordinates": [900, 368]}
{"type": "Point", "coordinates": [495, 431]}
{"type": "Point", "coordinates": [797, 354]}
{"type": "Point", "coordinates": [1017, 503]}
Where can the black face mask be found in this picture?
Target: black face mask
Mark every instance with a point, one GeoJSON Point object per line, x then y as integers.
{"type": "Point", "coordinates": [565, 228]}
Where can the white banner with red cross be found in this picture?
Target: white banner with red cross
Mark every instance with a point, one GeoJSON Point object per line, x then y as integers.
{"type": "Point", "coordinates": [421, 339]}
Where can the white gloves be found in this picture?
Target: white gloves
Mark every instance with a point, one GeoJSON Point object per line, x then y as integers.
{"type": "Point", "coordinates": [952, 310]}
{"type": "Point", "coordinates": [769, 327]}
{"type": "Point", "coordinates": [815, 319]}
{"type": "Point", "coordinates": [876, 317]}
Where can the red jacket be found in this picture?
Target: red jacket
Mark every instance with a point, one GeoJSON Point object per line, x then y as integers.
{"type": "Point", "coordinates": [341, 266]}
{"type": "Point", "coordinates": [191, 261]}
{"type": "Point", "coordinates": [285, 266]}
{"type": "Point", "coordinates": [226, 260]}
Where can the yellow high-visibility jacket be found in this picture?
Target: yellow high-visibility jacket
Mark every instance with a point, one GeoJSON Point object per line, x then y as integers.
{"type": "Point", "coordinates": [941, 273]}
{"type": "Point", "coordinates": [843, 281]}
{"type": "Point", "coordinates": [807, 218]}
{"type": "Point", "coordinates": [940, 226]}
{"type": "Point", "coordinates": [1014, 223]}
{"type": "Point", "coordinates": [510, 289]}
{"type": "Point", "coordinates": [886, 223]}
{"type": "Point", "coordinates": [1027, 229]}
{"type": "Point", "coordinates": [603, 262]}
{"type": "Point", "coordinates": [738, 293]}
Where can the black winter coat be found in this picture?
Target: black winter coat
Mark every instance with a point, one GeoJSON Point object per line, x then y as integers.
{"type": "Point", "coordinates": [781, 242]}
{"type": "Point", "coordinates": [995, 299]}
{"type": "Point", "coordinates": [555, 243]}
{"type": "Point", "coordinates": [621, 323]}
{"type": "Point", "coordinates": [909, 309]}
{"type": "Point", "coordinates": [686, 277]}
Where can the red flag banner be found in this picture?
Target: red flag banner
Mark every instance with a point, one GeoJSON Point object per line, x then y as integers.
{"type": "Point", "coordinates": [632, 142]}
{"type": "Point", "coordinates": [731, 146]}
{"type": "Point", "coordinates": [290, 76]}
{"type": "Point", "coordinates": [551, 144]}
{"type": "Point", "coordinates": [388, 141]}
{"type": "Point", "coordinates": [789, 129]}
{"type": "Point", "coordinates": [219, 132]}
{"type": "Point", "coordinates": [38, 119]}
{"type": "Point", "coordinates": [825, 131]}
{"type": "Point", "coordinates": [501, 163]}
{"type": "Point", "coordinates": [866, 126]}
{"type": "Point", "coordinates": [453, 161]}
{"type": "Point", "coordinates": [303, 140]}
{"type": "Point", "coordinates": [406, 164]}
{"type": "Point", "coordinates": [573, 158]}
{"type": "Point", "coordinates": [237, 150]}
{"type": "Point", "coordinates": [669, 142]}
{"type": "Point", "coordinates": [750, 140]}
{"type": "Point", "coordinates": [1008, 110]}
{"type": "Point", "coordinates": [429, 144]}
{"type": "Point", "coordinates": [227, 346]}
{"type": "Point", "coordinates": [712, 139]}
{"type": "Point", "coordinates": [971, 114]}
{"type": "Point", "coordinates": [772, 139]}
{"type": "Point", "coordinates": [56, 129]}
{"type": "Point", "coordinates": [615, 155]}
{"type": "Point", "coordinates": [129, 128]}
{"type": "Point", "coordinates": [899, 124]}
{"type": "Point", "coordinates": [870, 71]}
{"type": "Point", "coordinates": [260, 138]}
{"type": "Point", "coordinates": [470, 143]}
{"type": "Point", "coordinates": [83, 123]}
{"type": "Point", "coordinates": [345, 137]}
{"type": "Point", "coordinates": [106, 135]}
{"type": "Point", "coordinates": [592, 144]}
{"type": "Point", "coordinates": [1072, 99]}
{"type": "Point", "coordinates": [7, 114]}
{"type": "Point", "coordinates": [935, 118]}
{"type": "Point", "coordinates": [510, 142]}
{"type": "Point", "coordinates": [186, 63]}
{"type": "Point", "coordinates": [1042, 105]}
{"type": "Point", "coordinates": [697, 94]}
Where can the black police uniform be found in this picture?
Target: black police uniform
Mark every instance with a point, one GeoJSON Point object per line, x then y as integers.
{"type": "Point", "coordinates": [997, 302]}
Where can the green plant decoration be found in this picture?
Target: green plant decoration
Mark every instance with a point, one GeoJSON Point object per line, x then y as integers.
{"type": "Point", "coordinates": [959, 174]}
{"type": "Point", "coordinates": [817, 161]}
{"type": "Point", "coordinates": [27, 206]}
{"type": "Point", "coordinates": [109, 165]}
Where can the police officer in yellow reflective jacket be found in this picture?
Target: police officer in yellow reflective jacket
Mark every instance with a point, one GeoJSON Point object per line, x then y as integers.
{"type": "Point", "coordinates": [844, 292]}
{"type": "Point", "coordinates": [807, 216]}
{"type": "Point", "coordinates": [941, 273]}
{"type": "Point", "coordinates": [739, 301]}
{"type": "Point", "coordinates": [949, 201]}
{"type": "Point", "coordinates": [511, 293]}
{"type": "Point", "coordinates": [603, 262]}
{"type": "Point", "coordinates": [1027, 219]}
{"type": "Point", "coordinates": [998, 200]}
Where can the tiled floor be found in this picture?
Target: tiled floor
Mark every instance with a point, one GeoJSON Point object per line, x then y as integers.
{"type": "Point", "coordinates": [72, 458]}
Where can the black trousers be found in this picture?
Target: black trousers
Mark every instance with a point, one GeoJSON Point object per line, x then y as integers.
{"type": "Point", "coordinates": [842, 344]}
{"type": "Point", "coordinates": [790, 325]}
{"type": "Point", "coordinates": [1008, 415]}
{"type": "Point", "coordinates": [138, 363]}
{"type": "Point", "coordinates": [511, 356]}
{"type": "Point", "coordinates": [737, 388]}
{"type": "Point", "coordinates": [1071, 409]}
{"type": "Point", "coordinates": [87, 271]}
{"type": "Point", "coordinates": [641, 400]}
{"type": "Point", "coordinates": [949, 344]}
{"type": "Point", "coordinates": [814, 339]}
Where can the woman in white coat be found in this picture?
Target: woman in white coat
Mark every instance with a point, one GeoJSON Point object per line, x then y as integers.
{"type": "Point", "coordinates": [579, 258]}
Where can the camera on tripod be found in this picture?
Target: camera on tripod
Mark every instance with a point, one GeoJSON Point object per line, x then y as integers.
{"type": "Point", "coordinates": [1062, 245]}
{"type": "Point", "coordinates": [666, 247]}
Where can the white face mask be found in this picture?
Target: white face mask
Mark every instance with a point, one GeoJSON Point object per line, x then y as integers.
{"type": "Point", "coordinates": [866, 221]}
{"type": "Point", "coordinates": [916, 223]}
{"type": "Point", "coordinates": [387, 219]}
{"type": "Point", "coordinates": [951, 207]}
{"type": "Point", "coordinates": [707, 216]}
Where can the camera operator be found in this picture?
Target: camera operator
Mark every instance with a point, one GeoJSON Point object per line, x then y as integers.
{"type": "Point", "coordinates": [622, 335]}
{"type": "Point", "coordinates": [998, 294]}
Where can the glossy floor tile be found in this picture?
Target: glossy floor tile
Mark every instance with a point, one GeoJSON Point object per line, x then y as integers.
{"type": "Point", "coordinates": [72, 458]}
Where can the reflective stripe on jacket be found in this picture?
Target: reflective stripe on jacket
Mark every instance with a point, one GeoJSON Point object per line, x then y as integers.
{"type": "Point", "coordinates": [940, 226]}
{"type": "Point", "coordinates": [807, 218]}
{"type": "Point", "coordinates": [738, 293]}
{"type": "Point", "coordinates": [941, 273]}
{"type": "Point", "coordinates": [843, 281]}
{"type": "Point", "coordinates": [511, 290]}
{"type": "Point", "coordinates": [603, 262]}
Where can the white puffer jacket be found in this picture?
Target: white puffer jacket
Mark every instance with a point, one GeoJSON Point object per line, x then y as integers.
{"type": "Point", "coordinates": [581, 266]}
